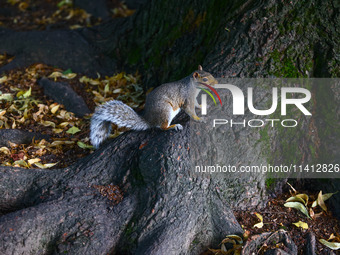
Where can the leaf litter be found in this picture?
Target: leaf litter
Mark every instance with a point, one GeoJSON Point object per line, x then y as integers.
{"type": "Point", "coordinates": [277, 215]}
{"type": "Point", "coordinates": [57, 14]}
{"type": "Point", "coordinates": [24, 106]}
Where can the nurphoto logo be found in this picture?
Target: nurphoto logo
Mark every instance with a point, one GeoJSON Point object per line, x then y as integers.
{"type": "Point", "coordinates": [302, 96]}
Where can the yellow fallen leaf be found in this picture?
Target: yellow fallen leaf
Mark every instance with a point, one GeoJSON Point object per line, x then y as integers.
{"type": "Point", "coordinates": [68, 116]}
{"type": "Point", "coordinates": [22, 120]}
{"type": "Point", "coordinates": [62, 114]}
{"type": "Point", "coordinates": [296, 199]}
{"type": "Point", "coordinates": [13, 145]}
{"type": "Point", "coordinates": [3, 79]}
{"type": "Point", "coordinates": [54, 109]}
{"type": "Point", "coordinates": [69, 75]}
{"type": "Point", "coordinates": [332, 236]}
{"type": "Point", "coordinates": [57, 143]}
{"type": "Point", "coordinates": [303, 196]}
{"type": "Point", "coordinates": [215, 251]}
{"type": "Point", "coordinates": [118, 76]}
{"type": "Point", "coordinates": [2, 113]}
{"type": "Point", "coordinates": [94, 82]}
{"type": "Point", "coordinates": [63, 124]}
{"type": "Point", "coordinates": [321, 202]}
{"type": "Point", "coordinates": [7, 97]}
{"type": "Point", "coordinates": [236, 237]}
{"type": "Point", "coordinates": [324, 197]}
{"type": "Point", "coordinates": [57, 130]}
{"type": "Point", "coordinates": [5, 150]}
{"type": "Point", "coordinates": [84, 79]}
{"type": "Point", "coordinates": [76, 26]}
{"type": "Point", "coordinates": [55, 75]}
{"type": "Point", "coordinates": [33, 160]}
{"type": "Point", "coordinates": [70, 15]}
{"type": "Point", "coordinates": [260, 224]}
{"type": "Point", "coordinates": [47, 123]}
{"type": "Point", "coordinates": [228, 240]}
{"type": "Point", "coordinates": [23, 6]}
{"type": "Point", "coordinates": [47, 165]}
{"type": "Point", "coordinates": [26, 113]}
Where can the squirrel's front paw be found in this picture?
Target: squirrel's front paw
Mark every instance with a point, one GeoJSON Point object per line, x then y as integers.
{"type": "Point", "coordinates": [199, 119]}
{"type": "Point", "coordinates": [203, 120]}
{"type": "Point", "coordinates": [178, 127]}
{"type": "Point", "coordinates": [195, 117]}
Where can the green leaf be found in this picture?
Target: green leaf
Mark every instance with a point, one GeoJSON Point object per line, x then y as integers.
{"type": "Point", "coordinates": [331, 245]}
{"type": "Point", "coordinates": [73, 130]}
{"type": "Point", "coordinates": [27, 93]}
{"type": "Point", "coordinates": [84, 145]}
{"type": "Point", "coordinates": [298, 206]}
{"type": "Point", "coordinates": [64, 2]}
{"type": "Point", "coordinates": [107, 88]}
{"type": "Point", "coordinates": [21, 163]}
{"type": "Point", "coordinates": [67, 71]}
{"type": "Point", "coordinates": [296, 199]}
{"type": "Point", "coordinates": [325, 197]}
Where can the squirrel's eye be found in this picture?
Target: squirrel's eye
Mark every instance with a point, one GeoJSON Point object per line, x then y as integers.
{"type": "Point", "coordinates": [205, 79]}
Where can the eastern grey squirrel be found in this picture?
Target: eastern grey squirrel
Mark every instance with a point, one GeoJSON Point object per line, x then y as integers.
{"type": "Point", "coordinates": [161, 106]}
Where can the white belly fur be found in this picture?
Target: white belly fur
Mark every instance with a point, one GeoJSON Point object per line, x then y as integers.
{"type": "Point", "coordinates": [173, 114]}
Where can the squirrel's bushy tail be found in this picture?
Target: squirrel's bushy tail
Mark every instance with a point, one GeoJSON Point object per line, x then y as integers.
{"type": "Point", "coordinates": [114, 112]}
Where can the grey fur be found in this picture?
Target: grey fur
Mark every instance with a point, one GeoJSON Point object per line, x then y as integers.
{"type": "Point", "coordinates": [114, 112]}
{"type": "Point", "coordinates": [161, 106]}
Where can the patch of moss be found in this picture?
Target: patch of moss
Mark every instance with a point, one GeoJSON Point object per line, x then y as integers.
{"type": "Point", "coordinates": [284, 66]}
{"type": "Point", "coordinates": [270, 183]}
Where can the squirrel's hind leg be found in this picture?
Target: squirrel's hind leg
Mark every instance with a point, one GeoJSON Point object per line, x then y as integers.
{"type": "Point", "coordinates": [165, 126]}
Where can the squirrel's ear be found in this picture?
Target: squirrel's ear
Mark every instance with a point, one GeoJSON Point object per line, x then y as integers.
{"type": "Point", "coordinates": [200, 68]}
{"type": "Point", "coordinates": [195, 75]}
